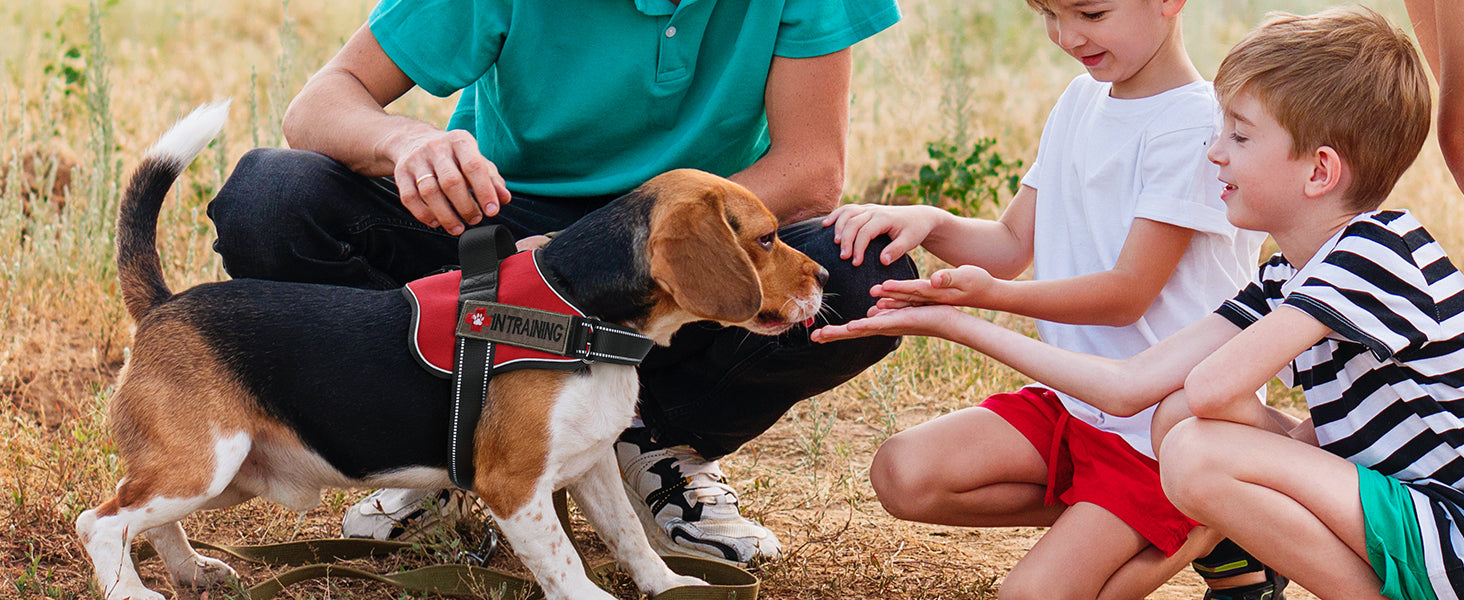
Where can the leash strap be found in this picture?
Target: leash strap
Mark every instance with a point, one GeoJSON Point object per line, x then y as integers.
{"type": "Point", "coordinates": [479, 250]}
{"type": "Point", "coordinates": [728, 582]}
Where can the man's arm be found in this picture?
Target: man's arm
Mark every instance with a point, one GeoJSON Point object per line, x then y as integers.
{"type": "Point", "coordinates": [443, 178]}
{"type": "Point", "coordinates": [1439, 25]}
{"type": "Point", "coordinates": [802, 175]}
{"type": "Point", "coordinates": [1223, 385]}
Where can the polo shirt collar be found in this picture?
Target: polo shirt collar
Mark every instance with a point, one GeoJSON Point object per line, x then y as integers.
{"type": "Point", "coordinates": [658, 8]}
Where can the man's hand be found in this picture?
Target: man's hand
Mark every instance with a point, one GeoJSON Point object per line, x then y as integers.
{"type": "Point", "coordinates": [531, 242]}
{"type": "Point", "coordinates": [445, 181]}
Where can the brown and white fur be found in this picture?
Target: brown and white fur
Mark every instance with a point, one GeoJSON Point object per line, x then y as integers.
{"type": "Point", "coordinates": [251, 388]}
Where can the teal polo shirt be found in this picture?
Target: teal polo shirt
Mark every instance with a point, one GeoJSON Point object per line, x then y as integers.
{"type": "Point", "coordinates": [592, 97]}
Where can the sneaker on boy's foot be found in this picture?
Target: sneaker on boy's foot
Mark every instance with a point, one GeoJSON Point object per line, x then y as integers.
{"type": "Point", "coordinates": [1273, 588]}
{"type": "Point", "coordinates": [401, 514]}
{"type": "Point", "coordinates": [1227, 561]}
{"type": "Point", "coordinates": [685, 504]}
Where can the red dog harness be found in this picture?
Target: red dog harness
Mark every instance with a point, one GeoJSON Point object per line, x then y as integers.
{"type": "Point", "coordinates": [495, 316]}
{"type": "Point", "coordinates": [551, 336]}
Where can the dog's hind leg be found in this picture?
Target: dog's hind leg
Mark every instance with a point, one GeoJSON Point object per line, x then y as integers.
{"type": "Point", "coordinates": [149, 501]}
{"type": "Point", "coordinates": [185, 565]}
{"type": "Point", "coordinates": [601, 496]}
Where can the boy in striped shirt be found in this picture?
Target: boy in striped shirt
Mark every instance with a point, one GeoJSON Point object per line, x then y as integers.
{"type": "Point", "coordinates": [1361, 308]}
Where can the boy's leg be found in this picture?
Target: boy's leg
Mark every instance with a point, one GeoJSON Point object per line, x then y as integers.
{"type": "Point", "coordinates": [1294, 506]}
{"type": "Point", "coordinates": [1077, 558]}
{"type": "Point", "coordinates": [1228, 570]}
{"type": "Point", "coordinates": [969, 468]}
{"type": "Point", "coordinates": [714, 389]}
{"type": "Point", "coordinates": [974, 467]}
{"type": "Point", "coordinates": [1150, 568]}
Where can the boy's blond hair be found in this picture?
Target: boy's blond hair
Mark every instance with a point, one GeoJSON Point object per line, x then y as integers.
{"type": "Point", "coordinates": [1342, 78]}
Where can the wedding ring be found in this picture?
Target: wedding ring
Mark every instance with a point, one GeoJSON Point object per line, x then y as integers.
{"type": "Point", "coordinates": [425, 178]}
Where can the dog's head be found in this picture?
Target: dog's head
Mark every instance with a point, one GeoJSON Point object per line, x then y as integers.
{"type": "Point", "coordinates": [714, 252]}
{"type": "Point", "coordinates": [686, 246]}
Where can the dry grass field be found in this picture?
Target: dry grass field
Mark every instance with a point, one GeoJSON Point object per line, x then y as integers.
{"type": "Point", "coordinates": [86, 87]}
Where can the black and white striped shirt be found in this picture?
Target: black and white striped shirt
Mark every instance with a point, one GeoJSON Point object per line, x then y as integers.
{"type": "Point", "coordinates": [1386, 387]}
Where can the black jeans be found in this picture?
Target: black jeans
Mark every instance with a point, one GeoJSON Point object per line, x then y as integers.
{"type": "Point", "coordinates": [291, 215]}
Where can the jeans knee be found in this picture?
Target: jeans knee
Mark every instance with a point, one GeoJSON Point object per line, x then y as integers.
{"type": "Point", "coordinates": [271, 201]}
{"type": "Point", "coordinates": [847, 293]}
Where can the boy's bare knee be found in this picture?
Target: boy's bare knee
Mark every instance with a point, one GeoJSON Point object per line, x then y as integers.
{"type": "Point", "coordinates": [1190, 463]}
{"type": "Point", "coordinates": [899, 479]}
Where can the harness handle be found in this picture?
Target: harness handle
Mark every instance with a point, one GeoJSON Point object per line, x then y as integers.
{"type": "Point", "coordinates": [480, 249]}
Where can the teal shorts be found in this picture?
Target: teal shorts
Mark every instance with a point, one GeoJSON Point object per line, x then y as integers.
{"type": "Point", "coordinates": [1394, 546]}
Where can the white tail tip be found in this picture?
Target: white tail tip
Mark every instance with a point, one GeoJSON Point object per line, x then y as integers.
{"type": "Point", "coordinates": [191, 134]}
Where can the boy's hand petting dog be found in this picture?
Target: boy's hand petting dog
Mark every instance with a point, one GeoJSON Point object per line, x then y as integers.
{"type": "Point", "coordinates": [966, 285]}
{"type": "Point", "coordinates": [856, 224]}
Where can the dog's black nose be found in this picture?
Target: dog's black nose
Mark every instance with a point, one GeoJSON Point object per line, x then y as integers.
{"type": "Point", "coordinates": [823, 276]}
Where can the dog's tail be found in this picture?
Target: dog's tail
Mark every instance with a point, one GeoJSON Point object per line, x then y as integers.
{"type": "Point", "coordinates": [138, 267]}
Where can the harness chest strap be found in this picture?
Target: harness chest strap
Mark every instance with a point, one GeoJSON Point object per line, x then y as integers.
{"type": "Point", "coordinates": [493, 337]}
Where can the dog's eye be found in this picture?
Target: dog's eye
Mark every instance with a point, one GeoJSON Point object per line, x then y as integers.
{"type": "Point", "coordinates": [766, 241]}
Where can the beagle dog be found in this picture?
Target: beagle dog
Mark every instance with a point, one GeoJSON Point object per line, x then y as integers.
{"type": "Point", "coordinates": [250, 388]}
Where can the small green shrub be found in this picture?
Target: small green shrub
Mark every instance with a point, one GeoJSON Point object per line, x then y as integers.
{"type": "Point", "coordinates": [967, 181]}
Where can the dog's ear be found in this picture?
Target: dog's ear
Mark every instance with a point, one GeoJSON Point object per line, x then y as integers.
{"type": "Point", "coordinates": [695, 256]}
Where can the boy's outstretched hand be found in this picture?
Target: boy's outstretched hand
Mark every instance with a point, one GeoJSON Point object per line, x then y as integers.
{"type": "Point", "coordinates": [931, 320]}
{"type": "Point", "coordinates": [962, 286]}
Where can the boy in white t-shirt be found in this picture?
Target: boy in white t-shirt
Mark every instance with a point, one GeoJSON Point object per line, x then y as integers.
{"type": "Point", "coordinates": [1121, 220]}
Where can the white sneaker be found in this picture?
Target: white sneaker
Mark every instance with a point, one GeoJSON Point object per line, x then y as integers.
{"type": "Point", "coordinates": [400, 514]}
{"type": "Point", "coordinates": [685, 504]}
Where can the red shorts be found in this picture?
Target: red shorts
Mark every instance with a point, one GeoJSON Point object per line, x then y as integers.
{"type": "Point", "coordinates": [1085, 464]}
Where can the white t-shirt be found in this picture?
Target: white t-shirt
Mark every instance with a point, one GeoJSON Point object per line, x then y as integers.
{"type": "Point", "coordinates": [1104, 161]}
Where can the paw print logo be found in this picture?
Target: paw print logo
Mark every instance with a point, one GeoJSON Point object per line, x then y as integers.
{"type": "Point", "coordinates": [478, 319]}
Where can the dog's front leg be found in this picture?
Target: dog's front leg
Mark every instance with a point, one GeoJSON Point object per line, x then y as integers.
{"type": "Point", "coordinates": [544, 547]}
{"type": "Point", "coordinates": [601, 496]}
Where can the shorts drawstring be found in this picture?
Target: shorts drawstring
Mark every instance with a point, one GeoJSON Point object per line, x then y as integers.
{"type": "Point", "coordinates": [1059, 432]}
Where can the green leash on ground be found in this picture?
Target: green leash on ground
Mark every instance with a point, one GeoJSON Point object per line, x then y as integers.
{"type": "Point", "coordinates": [315, 560]}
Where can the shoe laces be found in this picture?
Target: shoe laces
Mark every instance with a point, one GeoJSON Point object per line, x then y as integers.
{"type": "Point", "coordinates": [704, 479]}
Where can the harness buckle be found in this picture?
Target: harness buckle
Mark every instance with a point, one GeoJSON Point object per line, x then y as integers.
{"type": "Point", "coordinates": [581, 339]}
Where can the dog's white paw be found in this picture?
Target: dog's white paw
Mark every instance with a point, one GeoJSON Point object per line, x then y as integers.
{"type": "Point", "coordinates": [202, 572]}
{"type": "Point", "coordinates": [132, 592]}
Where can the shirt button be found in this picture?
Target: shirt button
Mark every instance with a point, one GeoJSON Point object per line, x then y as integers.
{"type": "Point", "coordinates": [671, 31]}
